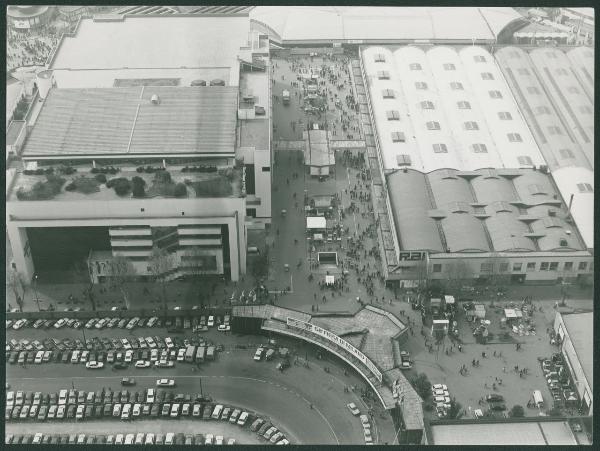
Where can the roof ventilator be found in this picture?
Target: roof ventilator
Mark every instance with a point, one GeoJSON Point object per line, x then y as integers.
{"type": "Point", "coordinates": [155, 99]}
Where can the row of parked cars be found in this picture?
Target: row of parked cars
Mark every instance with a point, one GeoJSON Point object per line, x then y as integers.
{"type": "Point", "coordinates": [558, 378]}
{"type": "Point", "coordinates": [364, 421]}
{"type": "Point", "coordinates": [129, 405]}
{"type": "Point", "coordinates": [140, 438]}
{"type": "Point", "coordinates": [197, 323]}
{"type": "Point", "coordinates": [143, 352]}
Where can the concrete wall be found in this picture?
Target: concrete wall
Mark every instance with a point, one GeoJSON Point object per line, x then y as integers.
{"type": "Point", "coordinates": [153, 212]}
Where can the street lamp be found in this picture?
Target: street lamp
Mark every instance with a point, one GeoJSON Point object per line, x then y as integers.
{"type": "Point", "coordinates": [37, 299]}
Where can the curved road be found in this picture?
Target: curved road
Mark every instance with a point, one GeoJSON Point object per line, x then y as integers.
{"type": "Point", "coordinates": [233, 379]}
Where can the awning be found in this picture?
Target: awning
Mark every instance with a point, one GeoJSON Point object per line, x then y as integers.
{"type": "Point", "coordinates": [318, 237]}
{"type": "Point", "coordinates": [198, 83]}
{"type": "Point", "coordinates": [329, 280]}
{"type": "Point", "coordinates": [316, 222]}
{"type": "Point", "coordinates": [510, 313]}
{"type": "Point", "coordinates": [217, 82]}
{"type": "Point", "coordinates": [449, 299]}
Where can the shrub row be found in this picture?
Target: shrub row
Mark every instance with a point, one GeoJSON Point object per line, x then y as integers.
{"type": "Point", "coordinates": [149, 169]}
{"type": "Point", "coordinates": [68, 170]}
{"type": "Point", "coordinates": [108, 170]}
{"type": "Point", "coordinates": [199, 169]}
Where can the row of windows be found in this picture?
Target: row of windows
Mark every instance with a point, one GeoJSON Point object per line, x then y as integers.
{"type": "Point", "coordinates": [488, 267]}
{"type": "Point", "coordinates": [585, 188]}
{"type": "Point", "coordinates": [380, 58]}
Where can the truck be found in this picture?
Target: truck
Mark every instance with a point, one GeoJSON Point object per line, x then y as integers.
{"type": "Point", "coordinates": [200, 353]}
{"type": "Point", "coordinates": [210, 353]}
{"type": "Point", "coordinates": [286, 97]}
{"type": "Point", "coordinates": [189, 353]}
{"type": "Point", "coordinates": [270, 353]}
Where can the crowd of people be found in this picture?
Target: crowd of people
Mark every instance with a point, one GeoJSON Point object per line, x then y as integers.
{"type": "Point", "coordinates": [31, 48]}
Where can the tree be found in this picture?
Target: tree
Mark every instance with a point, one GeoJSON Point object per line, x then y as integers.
{"type": "Point", "coordinates": [455, 411]}
{"type": "Point", "coordinates": [517, 411]}
{"type": "Point", "coordinates": [260, 266]}
{"type": "Point", "coordinates": [161, 262]}
{"type": "Point", "coordinates": [122, 271]}
{"type": "Point", "coordinates": [138, 185]}
{"type": "Point", "coordinates": [180, 190]}
{"type": "Point", "coordinates": [421, 384]}
{"type": "Point", "coordinates": [83, 273]}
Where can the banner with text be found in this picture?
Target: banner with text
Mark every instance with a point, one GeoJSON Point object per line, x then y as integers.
{"type": "Point", "coordinates": [292, 322]}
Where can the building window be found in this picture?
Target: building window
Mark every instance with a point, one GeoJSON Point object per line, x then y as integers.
{"type": "Point", "coordinates": [523, 71]}
{"type": "Point", "coordinates": [464, 105]}
{"type": "Point", "coordinates": [585, 109]}
{"type": "Point", "coordinates": [388, 94]}
{"type": "Point", "coordinates": [383, 75]}
{"type": "Point", "coordinates": [524, 160]}
{"type": "Point", "coordinates": [380, 58]}
{"type": "Point", "coordinates": [495, 94]}
{"type": "Point", "coordinates": [541, 110]}
{"type": "Point", "coordinates": [440, 148]}
{"type": "Point", "coordinates": [427, 105]}
{"type": "Point", "coordinates": [486, 267]}
{"type": "Point", "coordinates": [554, 130]}
{"type": "Point", "coordinates": [504, 116]}
{"type": "Point", "coordinates": [487, 76]}
{"type": "Point", "coordinates": [393, 115]}
{"type": "Point", "coordinates": [420, 85]}
{"type": "Point", "coordinates": [504, 267]}
{"type": "Point", "coordinates": [568, 266]}
{"type": "Point", "coordinates": [403, 160]}
{"type": "Point", "coordinates": [449, 66]}
{"type": "Point", "coordinates": [251, 212]}
{"type": "Point", "coordinates": [553, 266]}
{"type": "Point", "coordinates": [415, 66]}
{"type": "Point", "coordinates": [266, 169]}
{"type": "Point", "coordinates": [471, 125]}
{"type": "Point", "coordinates": [566, 153]}
{"type": "Point", "coordinates": [437, 267]}
{"type": "Point", "coordinates": [530, 266]}
{"type": "Point", "coordinates": [398, 137]}
{"type": "Point", "coordinates": [533, 90]}
{"type": "Point", "coordinates": [479, 148]}
{"type": "Point", "coordinates": [432, 125]}
{"type": "Point", "coordinates": [456, 86]}
{"type": "Point", "coordinates": [582, 266]}
{"type": "Point", "coordinates": [517, 266]}
{"type": "Point", "coordinates": [585, 188]}
{"type": "Point", "coordinates": [573, 90]}
{"type": "Point", "coordinates": [561, 71]}
{"type": "Point", "coordinates": [514, 138]}
{"type": "Point", "coordinates": [544, 266]}
{"type": "Point", "coordinates": [479, 59]}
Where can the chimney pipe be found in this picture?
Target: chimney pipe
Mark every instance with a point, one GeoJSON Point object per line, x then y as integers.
{"type": "Point", "coordinates": [571, 202]}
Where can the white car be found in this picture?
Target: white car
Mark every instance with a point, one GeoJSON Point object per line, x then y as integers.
{"type": "Point", "coordinates": [137, 410]}
{"type": "Point", "coordinates": [258, 354]}
{"type": "Point", "coordinates": [52, 411]}
{"type": "Point", "coordinates": [169, 342]}
{"type": "Point", "coordinates": [224, 328]}
{"type": "Point", "coordinates": [60, 412]}
{"type": "Point", "coordinates": [283, 441]}
{"type": "Point", "coordinates": [439, 387]}
{"type": "Point", "coordinates": [119, 439]}
{"type": "Point", "coordinates": [128, 356]}
{"type": "Point", "coordinates": [91, 323]}
{"type": "Point", "coordinates": [38, 323]}
{"type": "Point", "coordinates": [19, 324]}
{"type": "Point", "coordinates": [242, 419]}
{"type": "Point", "coordinates": [93, 365]}
{"type": "Point", "coordinates": [364, 420]}
{"type": "Point", "coordinates": [100, 324]}
{"type": "Point", "coordinates": [129, 439]}
{"type": "Point", "coordinates": [154, 355]}
{"type": "Point", "coordinates": [208, 440]}
{"type": "Point", "coordinates": [353, 409]}
{"type": "Point", "coordinates": [219, 440]}
{"type": "Point", "coordinates": [62, 397]}
{"type": "Point", "coordinates": [165, 383]}
{"type": "Point", "coordinates": [39, 357]}
{"type": "Point", "coordinates": [84, 356]}
{"type": "Point", "coordinates": [164, 363]}
{"type": "Point", "coordinates": [442, 399]}
{"type": "Point", "coordinates": [439, 392]}
{"type": "Point", "coordinates": [149, 439]}
{"type": "Point", "coordinates": [79, 413]}
{"type": "Point", "coordinates": [231, 441]}
{"type": "Point", "coordinates": [181, 355]}
{"type": "Point", "coordinates": [368, 437]}
{"type": "Point", "coordinates": [211, 321]}
{"type": "Point", "coordinates": [142, 364]}
{"type": "Point", "coordinates": [150, 394]}
{"type": "Point", "coordinates": [131, 324]}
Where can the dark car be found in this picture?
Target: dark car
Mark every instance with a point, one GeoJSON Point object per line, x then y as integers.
{"type": "Point", "coordinates": [127, 381]}
{"type": "Point", "coordinates": [498, 406]}
{"type": "Point", "coordinates": [8, 413]}
{"type": "Point", "coordinates": [30, 357]}
{"type": "Point", "coordinates": [66, 357]}
{"type": "Point", "coordinates": [107, 410]}
{"type": "Point", "coordinates": [13, 357]}
{"type": "Point", "coordinates": [16, 412]}
{"type": "Point", "coordinates": [120, 366]}
{"type": "Point", "coordinates": [89, 411]}
{"type": "Point", "coordinates": [124, 396]}
{"type": "Point", "coordinates": [206, 414]}
{"type": "Point", "coordinates": [71, 411]}
{"type": "Point", "coordinates": [57, 356]}
{"type": "Point", "coordinates": [155, 410]}
{"type": "Point", "coordinates": [494, 398]}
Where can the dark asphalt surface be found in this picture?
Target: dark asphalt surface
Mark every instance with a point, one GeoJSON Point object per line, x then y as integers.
{"type": "Point", "coordinates": [233, 379]}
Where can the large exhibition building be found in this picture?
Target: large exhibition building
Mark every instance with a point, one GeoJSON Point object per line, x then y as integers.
{"type": "Point", "coordinates": [469, 191]}
{"type": "Point", "coordinates": [181, 132]}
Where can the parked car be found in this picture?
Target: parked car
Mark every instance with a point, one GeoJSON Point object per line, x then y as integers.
{"type": "Point", "coordinates": [165, 383]}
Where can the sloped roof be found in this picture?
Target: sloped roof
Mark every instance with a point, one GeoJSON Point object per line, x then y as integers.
{"type": "Point", "coordinates": [125, 121]}
{"type": "Point", "coordinates": [580, 327]}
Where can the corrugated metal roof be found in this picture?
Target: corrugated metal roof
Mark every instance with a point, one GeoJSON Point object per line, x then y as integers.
{"type": "Point", "coordinates": [477, 61]}
{"type": "Point", "coordinates": [123, 120]}
{"type": "Point", "coordinates": [580, 327]}
{"type": "Point", "coordinates": [567, 93]}
{"type": "Point", "coordinates": [558, 148]}
{"type": "Point", "coordinates": [582, 60]}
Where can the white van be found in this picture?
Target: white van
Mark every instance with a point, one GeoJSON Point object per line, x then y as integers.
{"type": "Point", "coordinates": [217, 412]}
{"type": "Point", "coordinates": [538, 399]}
{"type": "Point", "coordinates": [75, 356]}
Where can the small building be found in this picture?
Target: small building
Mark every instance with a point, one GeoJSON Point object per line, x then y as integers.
{"type": "Point", "coordinates": [576, 336]}
{"type": "Point", "coordinates": [318, 156]}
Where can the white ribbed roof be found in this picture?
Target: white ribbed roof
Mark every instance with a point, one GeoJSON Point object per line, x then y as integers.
{"type": "Point", "coordinates": [568, 181]}
{"type": "Point", "coordinates": [582, 59]}
{"type": "Point", "coordinates": [558, 148]}
{"type": "Point", "coordinates": [554, 69]}
{"type": "Point", "coordinates": [410, 66]}
{"type": "Point", "coordinates": [491, 107]}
